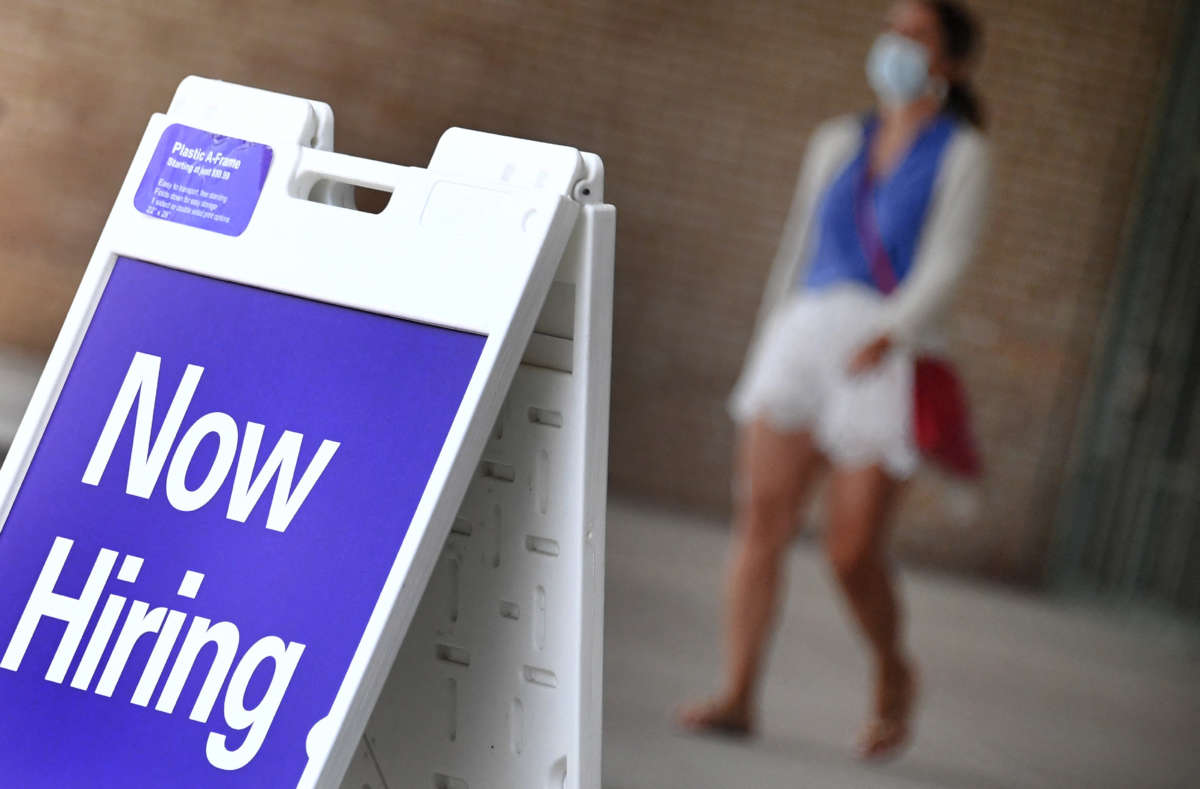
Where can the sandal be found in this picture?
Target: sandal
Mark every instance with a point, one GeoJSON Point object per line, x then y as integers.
{"type": "Point", "coordinates": [886, 734]}
{"type": "Point", "coordinates": [717, 718]}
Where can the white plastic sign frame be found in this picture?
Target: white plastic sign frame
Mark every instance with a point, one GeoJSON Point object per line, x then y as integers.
{"type": "Point", "coordinates": [470, 244]}
{"type": "Point", "coordinates": [499, 681]}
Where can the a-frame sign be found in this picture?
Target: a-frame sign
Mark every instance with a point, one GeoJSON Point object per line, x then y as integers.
{"type": "Point", "coordinates": [268, 421]}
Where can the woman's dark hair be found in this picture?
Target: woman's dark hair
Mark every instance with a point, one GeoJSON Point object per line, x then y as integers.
{"type": "Point", "coordinates": [962, 40]}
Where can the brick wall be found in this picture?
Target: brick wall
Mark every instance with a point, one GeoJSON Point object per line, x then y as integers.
{"type": "Point", "coordinates": [701, 110]}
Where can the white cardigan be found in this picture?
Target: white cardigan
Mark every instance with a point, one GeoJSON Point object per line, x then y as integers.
{"type": "Point", "coordinates": [911, 313]}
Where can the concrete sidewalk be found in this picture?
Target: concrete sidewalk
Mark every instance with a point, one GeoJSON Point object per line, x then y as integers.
{"type": "Point", "coordinates": [1018, 691]}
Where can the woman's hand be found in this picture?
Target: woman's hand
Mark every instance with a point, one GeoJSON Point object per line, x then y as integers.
{"type": "Point", "coordinates": [870, 355]}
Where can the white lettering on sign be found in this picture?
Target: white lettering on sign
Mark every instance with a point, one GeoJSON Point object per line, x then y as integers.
{"type": "Point", "coordinates": [164, 625]}
{"type": "Point", "coordinates": [149, 452]}
{"type": "Point", "coordinates": [201, 155]}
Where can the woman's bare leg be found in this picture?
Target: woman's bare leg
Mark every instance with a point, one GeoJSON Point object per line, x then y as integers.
{"type": "Point", "coordinates": [860, 507]}
{"type": "Point", "coordinates": [775, 471]}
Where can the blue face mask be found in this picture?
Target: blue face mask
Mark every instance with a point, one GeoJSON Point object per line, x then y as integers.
{"type": "Point", "coordinates": [898, 69]}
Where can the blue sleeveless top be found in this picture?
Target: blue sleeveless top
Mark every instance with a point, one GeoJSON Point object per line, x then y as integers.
{"type": "Point", "coordinates": [900, 202]}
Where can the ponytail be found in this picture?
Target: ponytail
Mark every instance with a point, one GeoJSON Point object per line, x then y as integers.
{"type": "Point", "coordinates": [963, 103]}
{"type": "Point", "coordinates": [961, 40]}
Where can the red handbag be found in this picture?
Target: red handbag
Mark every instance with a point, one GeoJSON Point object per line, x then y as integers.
{"type": "Point", "coordinates": [941, 421]}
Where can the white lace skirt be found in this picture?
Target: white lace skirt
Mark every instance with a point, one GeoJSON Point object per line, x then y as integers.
{"type": "Point", "coordinates": [796, 378]}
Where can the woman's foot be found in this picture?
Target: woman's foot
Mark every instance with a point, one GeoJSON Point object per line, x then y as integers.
{"type": "Point", "coordinates": [888, 731]}
{"type": "Point", "coordinates": [719, 716]}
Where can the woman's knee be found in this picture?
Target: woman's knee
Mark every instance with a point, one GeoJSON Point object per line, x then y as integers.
{"type": "Point", "coordinates": [773, 472]}
{"type": "Point", "coordinates": [851, 560]}
{"type": "Point", "coordinates": [859, 508]}
{"type": "Point", "coordinates": [768, 517]}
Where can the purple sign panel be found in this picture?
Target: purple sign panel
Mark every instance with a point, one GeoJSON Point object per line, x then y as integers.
{"type": "Point", "coordinates": [204, 180]}
{"type": "Point", "coordinates": [205, 528]}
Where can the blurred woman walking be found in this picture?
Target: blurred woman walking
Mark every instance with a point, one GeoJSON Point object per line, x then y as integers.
{"type": "Point", "coordinates": [884, 220]}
